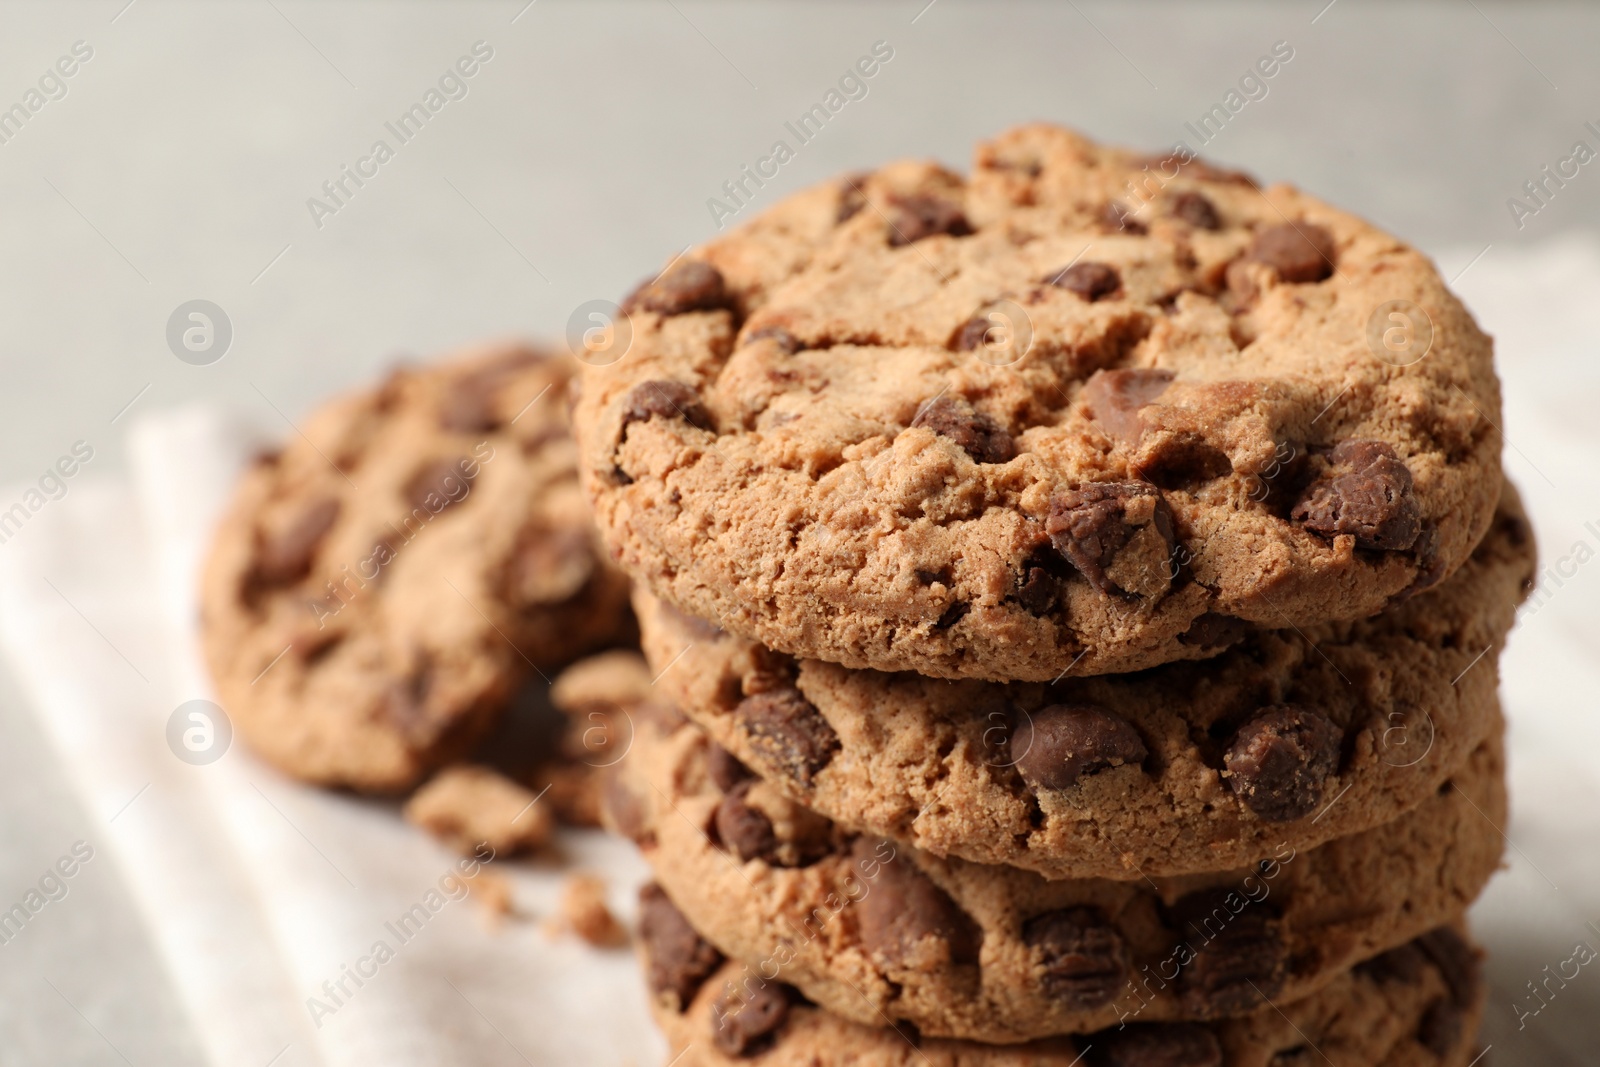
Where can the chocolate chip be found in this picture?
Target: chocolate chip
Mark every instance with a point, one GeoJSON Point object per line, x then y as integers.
{"type": "Point", "coordinates": [787, 342]}
{"type": "Point", "coordinates": [687, 285]}
{"type": "Point", "coordinates": [972, 334]}
{"type": "Point", "coordinates": [1196, 210]}
{"type": "Point", "coordinates": [285, 557]}
{"type": "Point", "coordinates": [1278, 761]}
{"type": "Point", "coordinates": [1116, 217]}
{"type": "Point", "coordinates": [1240, 954]}
{"type": "Point", "coordinates": [468, 405]}
{"type": "Point", "coordinates": [548, 566]}
{"type": "Point", "coordinates": [1155, 1045]}
{"type": "Point", "coordinates": [1090, 280]}
{"type": "Point", "coordinates": [743, 828]}
{"type": "Point", "coordinates": [724, 768]}
{"type": "Point", "coordinates": [977, 434]}
{"type": "Point", "coordinates": [746, 1022]}
{"type": "Point", "coordinates": [915, 217]}
{"type": "Point", "coordinates": [1403, 965]}
{"type": "Point", "coordinates": [787, 733]}
{"type": "Point", "coordinates": [1095, 526]}
{"type": "Point", "coordinates": [1457, 961]}
{"type": "Point", "coordinates": [1038, 590]}
{"type": "Point", "coordinates": [1441, 1027]}
{"type": "Point", "coordinates": [1081, 957]}
{"type": "Point", "coordinates": [1299, 252]}
{"type": "Point", "coordinates": [904, 910]}
{"type": "Point", "coordinates": [1368, 494]}
{"type": "Point", "coordinates": [677, 959]}
{"type": "Point", "coordinates": [1059, 744]}
{"type": "Point", "coordinates": [1114, 398]}
{"type": "Point", "coordinates": [438, 484]}
{"type": "Point", "coordinates": [852, 198]}
{"type": "Point", "coordinates": [1213, 630]}
{"type": "Point", "coordinates": [666, 400]}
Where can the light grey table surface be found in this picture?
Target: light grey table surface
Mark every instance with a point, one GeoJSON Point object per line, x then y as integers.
{"type": "Point", "coordinates": [179, 163]}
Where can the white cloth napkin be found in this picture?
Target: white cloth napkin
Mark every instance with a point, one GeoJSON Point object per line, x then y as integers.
{"type": "Point", "coordinates": [257, 890]}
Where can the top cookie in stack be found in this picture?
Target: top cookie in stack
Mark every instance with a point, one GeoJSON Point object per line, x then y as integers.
{"type": "Point", "coordinates": [1084, 411]}
{"type": "Point", "coordinates": [1028, 565]}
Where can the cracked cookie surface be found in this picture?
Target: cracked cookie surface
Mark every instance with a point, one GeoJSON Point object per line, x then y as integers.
{"type": "Point", "coordinates": [874, 930]}
{"type": "Point", "coordinates": [1065, 413]}
{"type": "Point", "coordinates": [378, 589]}
{"type": "Point", "coordinates": [1290, 735]}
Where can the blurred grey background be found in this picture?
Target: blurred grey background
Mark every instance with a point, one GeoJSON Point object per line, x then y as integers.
{"type": "Point", "coordinates": [177, 161]}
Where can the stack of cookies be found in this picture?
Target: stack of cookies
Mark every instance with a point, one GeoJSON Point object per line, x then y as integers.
{"type": "Point", "coordinates": [1075, 594]}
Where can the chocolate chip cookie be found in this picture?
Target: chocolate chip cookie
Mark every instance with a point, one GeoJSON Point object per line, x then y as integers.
{"type": "Point", "coordinates": [380, 586]}
{"type": "Point", "coordinates": [1082, 411]}
{"type": "Point", "coordinates": [1418, 1005]}
{"type": "Point", "coordinates": [874, 930]}
{"type": "Point", "coordinates": [1290, 735]}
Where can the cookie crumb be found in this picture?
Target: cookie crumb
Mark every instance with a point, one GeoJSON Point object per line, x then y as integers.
{"type": "Point", "coordinates": [492, 891]}
{"type": "Point", "coordinates": [466, 805]}
{"type": "Point", "coordinates": [583, 907]}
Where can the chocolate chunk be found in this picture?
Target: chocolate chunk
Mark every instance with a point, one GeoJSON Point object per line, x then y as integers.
{"type": "Point", "coordinates": [1213, 630]}
{"type": "Point", "coordinates": [1116, 217]}
{"type": "Point", "coordinates": [915, 217]}
{"type": "Point", "coordinates": [1366, 494]}
{"type": "Point", "coordinates": [1196, 210]}
{"type": "Point", "coordinates": [1441, 1027]}
{"type": "Point", "coordinates": [1115, 397]}
{"type": "Point", "coordinates": [1278, 761]}
{"type": "Point", "coordinates": [972, 334]}
{"type": "Point", "coordinates": [787, 733]}
{"type": "Point", "coordinates": [438, 483]}
{"type": "Point", "coordinates": [904, 914]}
{"type": "Point", "coordinates": [1299, 1056]}
{"type": "Point", "coordinates": [1059, 744]}
{"type": "Point", "coordinates": [1457, 961]}
{"type": "Point", "coordinates": [1038, 590]}
{"type": "Point", "coordinates": [852, 197]}
{"type": "Point", "coordinates": [745, 829]}
{"type": "Point", "coordinates": [1082, 959]}
{"type": "Point", "coordinates": [1299, 252]}
{"type": "Point", "coordinates": [677, 959]}
{"type": "Point", "coordinates": [1092, 281]}
{"type": "Point", "coordinates": [1403, 964]}
{"type": "Point", "coordinates": [548, 566]}
{"type": "Point", "coordinates": [667, 400]}
{"type": "Point", "coordinates": [1155, 1045]}
{"type": "Point", "coordinates": [687, 285]}
{"type": "Point", "coordinates": [468, 406]}
{"type": "Point", "coordinates": [285, 557]}
{"type": "Point", "coordinates": [977, 434]}
{"type": "Point", "coordinates": [1097, 524]}
{"type": "Point", "coordinates": [1240, 952]}
{"type": "Point", "coordinates": [724, 767]}
{"type": "Point", "coordinates": [746, 1021]}
{"type": "Point", "coordinates": [786, 341]}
